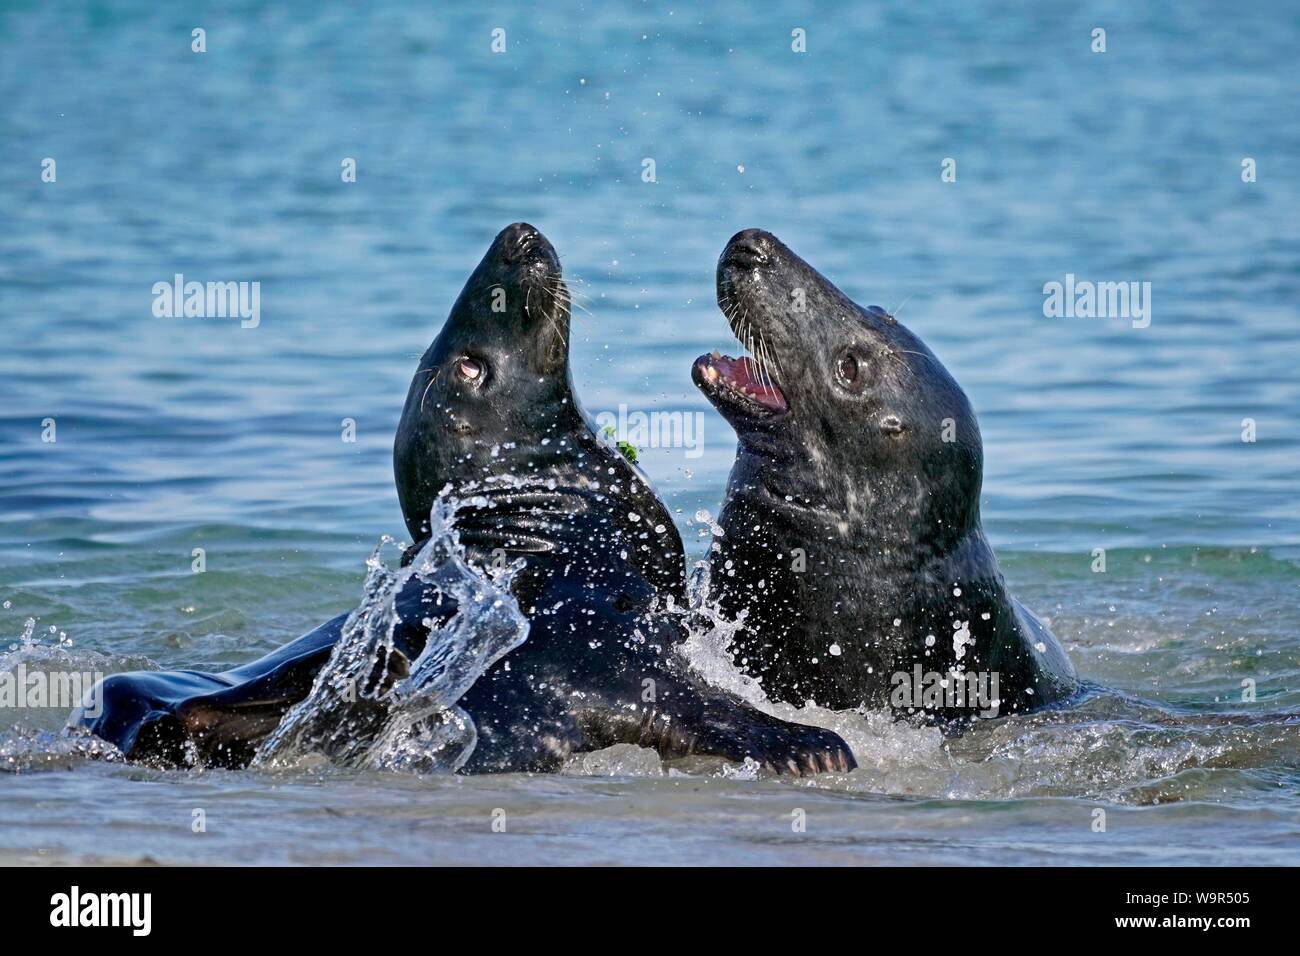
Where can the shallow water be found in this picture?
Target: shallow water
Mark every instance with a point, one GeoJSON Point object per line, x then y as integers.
{"type": "Point", "coordinates": [182, 434]}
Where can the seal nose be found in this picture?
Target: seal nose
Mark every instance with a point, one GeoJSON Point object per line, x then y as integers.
{"type": "Point", "coordinates": [522, 243]}
{"type": "Point", "coordinates": [749, 249]}
{"type": "Point", "coordinates": [516, 240]}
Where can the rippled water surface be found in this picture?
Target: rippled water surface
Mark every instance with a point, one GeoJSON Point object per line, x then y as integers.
{"type": "Point", "coordinates": [181, 434]}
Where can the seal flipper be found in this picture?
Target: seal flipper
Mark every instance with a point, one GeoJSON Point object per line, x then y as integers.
{"type": "Point", "coordinates": [228, 726]}
{"type": "Point", "coordinates": [695, 720]}
{"type": "Point", "coordinates": [136, 712]}
{"type": "Point", "coordinates": [167, 718]}
{"type": "Point", "coordinates": [153, 716]}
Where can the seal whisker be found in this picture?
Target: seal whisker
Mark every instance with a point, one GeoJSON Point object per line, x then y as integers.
{"type": "Point", "coordinates": [767, 363]}
{"type": "Point", "coordinates": [573, 279]}
{"type": "Point", "coordinates": [893, 353]}
{"type": "Point", "coordinates": [729, 311]}
{"type": "Point", "coordinates": [899, 363]}
{"type": "Point", "coordinates": [432, 378]}
{"type": "Point", "coordinates": [756, 348]}
{"type": "Point", "coordinates": [576, 293]}
{"type": "Point", "coordinates": [558, 287]}
{"type": "Point", "coordinates": [750, 339]}
{"type": "Point", "coordinates": [561, 299]}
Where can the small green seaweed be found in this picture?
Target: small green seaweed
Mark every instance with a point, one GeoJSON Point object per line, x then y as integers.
{"type": "Point", "coordinates": [628, 450]}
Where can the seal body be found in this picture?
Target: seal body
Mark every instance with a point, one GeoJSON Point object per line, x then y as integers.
{"type": "Point", "coordinates": [851, 539]}
{"type": "Point", "coordinates": [491, 419]}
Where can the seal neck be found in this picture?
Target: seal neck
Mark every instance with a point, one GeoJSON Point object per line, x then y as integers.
{"type": "Point", "coordinates": [897, 514]}
{"type": "Point", "coordinates": [587, 505]}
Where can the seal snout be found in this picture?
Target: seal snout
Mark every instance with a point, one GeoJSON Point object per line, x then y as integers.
{"type": "Point", "coordinates": [748, 249]}
{"type": "Point", "coordinates": [523, 244]}
{"type": "Point", "coordinates": [746, 389]}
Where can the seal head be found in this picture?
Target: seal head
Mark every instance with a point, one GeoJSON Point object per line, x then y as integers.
{"type": "Point", "coordinates": [844, 402]}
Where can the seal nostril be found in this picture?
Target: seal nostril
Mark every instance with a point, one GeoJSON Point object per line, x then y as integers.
{"type": "Point", "coordinates": [750, 249]}
{"type": "Point", "coordinates": [519, 249]}
{"type": "Point", "coordinates": [518, 241]}
{"type": "Point", "coordinates": [747, 254]}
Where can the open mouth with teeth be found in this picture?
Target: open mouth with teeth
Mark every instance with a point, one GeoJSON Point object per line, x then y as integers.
{"type": "Point", "coordinates": [740, 381]}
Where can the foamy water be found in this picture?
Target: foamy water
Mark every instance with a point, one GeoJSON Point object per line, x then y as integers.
{"type": "Point", "coordinates": [411, 724]}
{"type": "Point", "coordinates": [339, 789]}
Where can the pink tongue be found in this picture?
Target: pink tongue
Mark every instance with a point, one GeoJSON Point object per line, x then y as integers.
{"type": "Point", "coordinates": [743, 375]}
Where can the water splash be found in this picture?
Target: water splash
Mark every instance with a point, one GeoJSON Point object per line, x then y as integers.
{"type": "Point", "coordinates": [28, 748]}
{"type": "Point", "coordinates": [1108, 745]}
{"type": "Point", "coordinates": [880, 744]}
{"type": "Point", "coordinates": [367, 708]}
{"type": "Point", "coordinates": [709, 636]}
{"type": "Point", "coordinates": [51, 646]}
{"type": "Point", "coordinates": [43, 676]}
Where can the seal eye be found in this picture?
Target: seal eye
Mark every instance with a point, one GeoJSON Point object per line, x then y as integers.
{"type": "Point", "coordinates": [469, 369]}
{"type": "Point", "coordinates": [848, 368]}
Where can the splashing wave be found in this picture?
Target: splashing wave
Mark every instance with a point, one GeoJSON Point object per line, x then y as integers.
{"type": "Point", "coordinates": [410, 723]}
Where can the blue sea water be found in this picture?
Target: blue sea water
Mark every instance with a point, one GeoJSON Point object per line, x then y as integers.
{"type": "Point", "coordinates": [176, 434]}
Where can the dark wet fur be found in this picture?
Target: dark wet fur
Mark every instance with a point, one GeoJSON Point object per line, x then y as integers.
{"type": "Point", "coordinates": [597, 667]}
{"type": "Point", "coordinates": [857, 481]}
